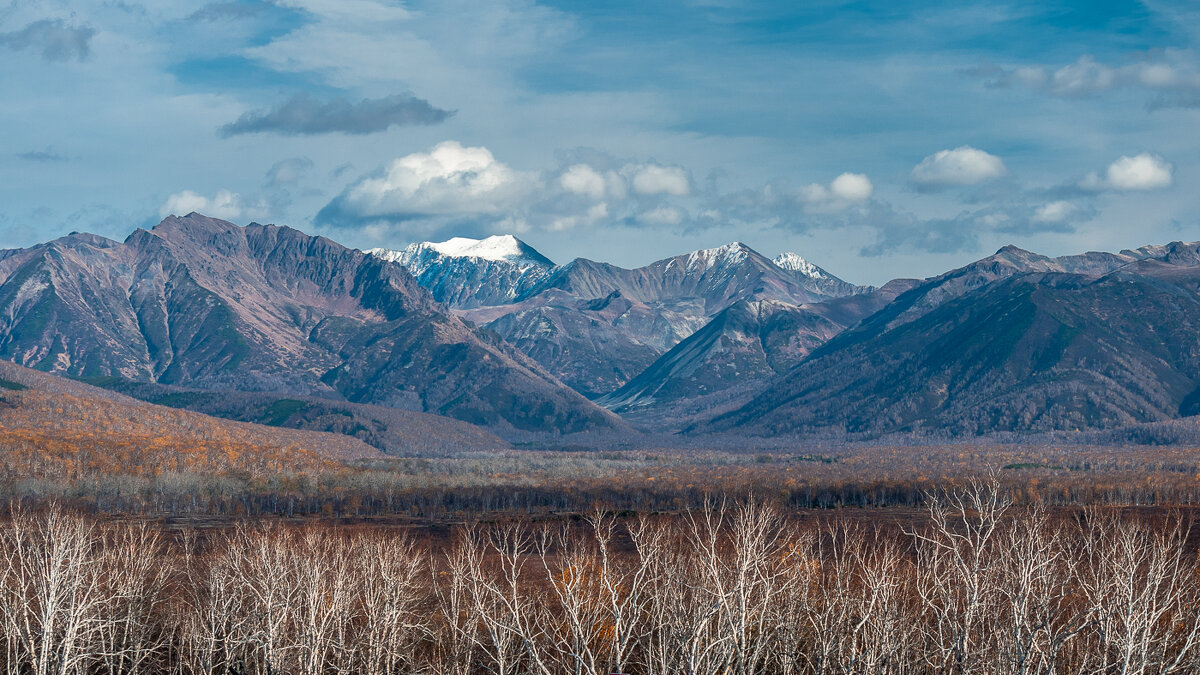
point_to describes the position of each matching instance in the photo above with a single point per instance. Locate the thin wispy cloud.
(224, 11)
(46, 155)
(1170, 79)
(55, 39)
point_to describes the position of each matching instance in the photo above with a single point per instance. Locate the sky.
(878, 139)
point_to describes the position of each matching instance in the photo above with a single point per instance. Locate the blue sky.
(878, 139)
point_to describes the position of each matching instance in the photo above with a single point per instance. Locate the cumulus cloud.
(844, 191)
(653, 179)
(57, 40)
(467, 187)
(305, 115)
(584, 180)
(851, 187)
(963, 165)
(449, 180)
(1054, 212)
(225, 205)
(1145, 171)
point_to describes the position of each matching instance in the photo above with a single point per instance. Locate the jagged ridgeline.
(493, 333)
(1015, 342)
(594, 325)
(203, 303)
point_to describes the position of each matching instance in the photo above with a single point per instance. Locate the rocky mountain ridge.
(1015, 342)
(204, 303)
(595, 325)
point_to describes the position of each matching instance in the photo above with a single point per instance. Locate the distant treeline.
(343, 494)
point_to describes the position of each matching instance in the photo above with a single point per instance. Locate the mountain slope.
(390, 430)
(203, 303)
(1029, 351)
(748, 340)
(51, 427)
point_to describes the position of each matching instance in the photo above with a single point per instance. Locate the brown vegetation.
(978, 586)
(55, 429)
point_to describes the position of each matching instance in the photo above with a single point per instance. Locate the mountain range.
(203, 303)
(465, 342)
(596, 326)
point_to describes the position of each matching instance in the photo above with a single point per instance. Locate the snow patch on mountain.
(794, 263)
(497, 248)
(732, 253)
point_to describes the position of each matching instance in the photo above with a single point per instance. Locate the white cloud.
(1145, 171)
(1085, 76)
(963, 165)
(449, 179)
(852, 187)
(845, 190)
(454, 186)
(1054, 212)
(593, 215)
(225, 205)
(663, 215)
(1141, 172)
(582, 179)
(653, 179)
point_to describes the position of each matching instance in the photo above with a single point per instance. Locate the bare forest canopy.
(974, 585)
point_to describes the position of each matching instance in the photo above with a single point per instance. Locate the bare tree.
(1142, 594)
(52, 593)
(955, 579)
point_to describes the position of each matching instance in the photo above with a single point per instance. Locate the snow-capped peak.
(794, 263)
(731, 253)
(501, 248)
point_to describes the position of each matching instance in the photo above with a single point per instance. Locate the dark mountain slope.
(1026, 352)
(747, 341)
(204, 303)
(390, 430)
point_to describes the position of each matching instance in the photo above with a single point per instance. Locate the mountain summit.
(465, 273)
(497, 248)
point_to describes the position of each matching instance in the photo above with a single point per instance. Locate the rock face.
(1014, 342)
(593, 325)
(204, 303)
